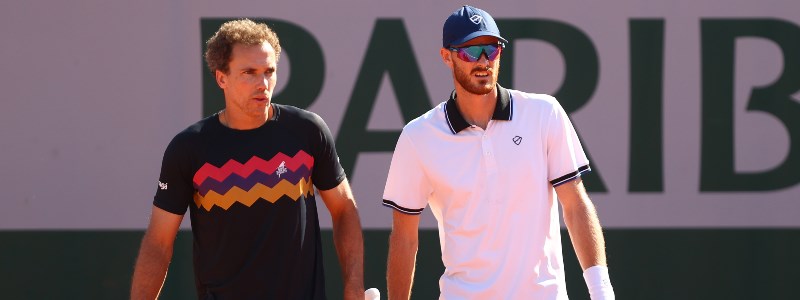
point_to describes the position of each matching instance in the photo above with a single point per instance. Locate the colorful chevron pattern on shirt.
(255, 179)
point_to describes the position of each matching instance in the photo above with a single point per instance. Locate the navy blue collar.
(276, 112)
(456, 121)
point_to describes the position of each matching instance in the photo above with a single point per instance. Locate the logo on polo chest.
(517, 140)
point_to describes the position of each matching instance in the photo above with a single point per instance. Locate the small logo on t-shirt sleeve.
(162, 185)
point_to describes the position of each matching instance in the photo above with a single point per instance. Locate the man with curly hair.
(247, 176)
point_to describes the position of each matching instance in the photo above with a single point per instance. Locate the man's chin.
(258, 112)
(480, 89)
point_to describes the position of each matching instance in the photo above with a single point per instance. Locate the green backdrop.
(645, 264)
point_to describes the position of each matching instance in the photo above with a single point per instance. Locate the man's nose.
(262, 82)
(483, 58)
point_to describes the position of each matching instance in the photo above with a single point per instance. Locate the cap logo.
(477, 19)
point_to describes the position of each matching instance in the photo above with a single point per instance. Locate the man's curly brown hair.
(245, 32)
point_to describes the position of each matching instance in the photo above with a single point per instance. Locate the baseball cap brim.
(477, 34)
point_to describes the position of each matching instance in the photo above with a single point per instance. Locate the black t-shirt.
(251, 203)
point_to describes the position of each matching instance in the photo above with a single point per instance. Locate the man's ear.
(222, 79)
(446, 58)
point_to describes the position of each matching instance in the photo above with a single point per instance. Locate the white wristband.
(599, 283)
(372, 294)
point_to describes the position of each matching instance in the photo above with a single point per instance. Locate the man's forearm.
(150, 271)
(586, 235)
(349, 244)
(401, 264)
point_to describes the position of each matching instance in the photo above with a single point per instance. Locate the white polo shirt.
(491, 192)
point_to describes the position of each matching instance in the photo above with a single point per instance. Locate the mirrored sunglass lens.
(465, 56)
(492, 51)
(473, 53)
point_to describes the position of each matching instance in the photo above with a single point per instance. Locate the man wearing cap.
(492, 162)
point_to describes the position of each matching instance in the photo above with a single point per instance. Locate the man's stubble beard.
(464, 80)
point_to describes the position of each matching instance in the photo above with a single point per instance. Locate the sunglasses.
(473, 53)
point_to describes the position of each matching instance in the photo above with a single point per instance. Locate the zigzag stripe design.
(259, 191)
(254, 163)
(257, 176)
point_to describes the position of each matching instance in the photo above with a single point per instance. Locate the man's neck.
(476, 109)
(243, 121)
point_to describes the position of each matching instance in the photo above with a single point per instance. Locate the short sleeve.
(407, 189)
(328, 172)
(566, 159)
(175, 189)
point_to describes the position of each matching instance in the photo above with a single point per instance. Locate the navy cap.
(467, 23)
